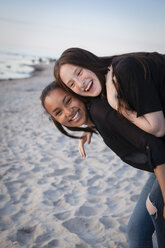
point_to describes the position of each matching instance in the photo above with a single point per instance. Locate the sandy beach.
(50, 196)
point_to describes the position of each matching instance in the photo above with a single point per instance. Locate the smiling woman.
(80, 80)
(66, 109)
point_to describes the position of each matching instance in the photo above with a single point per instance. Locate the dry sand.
(49, 196)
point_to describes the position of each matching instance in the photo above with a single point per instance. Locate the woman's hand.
(110, 89)
(86, 138)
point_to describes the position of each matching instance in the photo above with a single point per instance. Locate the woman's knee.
(152, 210)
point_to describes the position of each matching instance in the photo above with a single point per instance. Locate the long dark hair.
(85, 59)
(99, 65)
(140, 65)
(46, 91)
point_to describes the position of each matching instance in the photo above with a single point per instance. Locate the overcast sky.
(105, 27)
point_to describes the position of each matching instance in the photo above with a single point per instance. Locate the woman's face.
(66, 109)
(80, 80)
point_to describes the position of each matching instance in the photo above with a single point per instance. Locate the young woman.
(135, 148)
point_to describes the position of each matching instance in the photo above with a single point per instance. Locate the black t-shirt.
(134, 146)
(144, 89)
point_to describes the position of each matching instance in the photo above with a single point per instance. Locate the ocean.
(15, 66)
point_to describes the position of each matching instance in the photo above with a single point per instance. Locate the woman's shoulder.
(132, 58)
(127, 62)
(98, 103)
(99, 107)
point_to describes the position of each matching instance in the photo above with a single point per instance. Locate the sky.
(105, 27)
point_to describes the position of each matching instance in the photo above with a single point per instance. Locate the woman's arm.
(86, 138)
(153, 123)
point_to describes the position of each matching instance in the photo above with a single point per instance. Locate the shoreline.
(45, 69)
(36, 68)
(20, 66)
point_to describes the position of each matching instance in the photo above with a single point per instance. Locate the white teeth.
(74, 117)
(88, 87)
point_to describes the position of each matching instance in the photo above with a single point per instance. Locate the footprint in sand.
(25, 235)
(73, 199)
(52, 195)
(95, 190)
(86, 211)
(7, 210)
(42, 238)
(5, 223)
(90, 230)
(81, 246)
(94, 179)
(52, 244)
(63, 216)
(108, 222)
